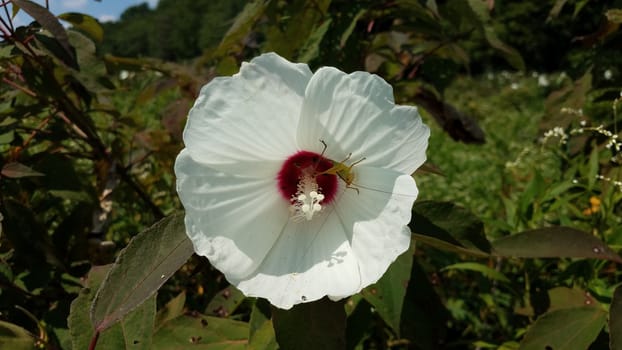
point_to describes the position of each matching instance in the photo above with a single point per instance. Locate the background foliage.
(514, 244)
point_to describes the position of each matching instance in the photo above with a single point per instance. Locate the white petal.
(245, 124)
(356, 114)
(233, 221)
(378, 214)
(347, 249)
(311, 259)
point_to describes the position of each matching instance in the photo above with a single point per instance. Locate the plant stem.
(93, 342)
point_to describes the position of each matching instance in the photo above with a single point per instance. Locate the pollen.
(303, 184)
(308, 202)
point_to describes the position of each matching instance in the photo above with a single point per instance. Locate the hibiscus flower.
(297, 185)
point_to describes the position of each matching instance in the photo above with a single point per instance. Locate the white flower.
(124, 75)
(263, 201)
(543, 80)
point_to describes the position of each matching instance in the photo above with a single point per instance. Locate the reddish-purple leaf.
(17, 170)
(554, 242)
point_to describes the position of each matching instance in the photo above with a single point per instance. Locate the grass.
(509, 108)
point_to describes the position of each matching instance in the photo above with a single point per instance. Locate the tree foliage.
(173, 31)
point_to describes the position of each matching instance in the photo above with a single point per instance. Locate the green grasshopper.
(341, 169)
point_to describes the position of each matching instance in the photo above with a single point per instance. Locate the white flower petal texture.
(297, 185)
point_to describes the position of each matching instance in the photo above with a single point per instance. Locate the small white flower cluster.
(543, 80)
(608, 74)
(557, 132)
(516, 163)
(572, 111)
(613, 141)
(615, 183)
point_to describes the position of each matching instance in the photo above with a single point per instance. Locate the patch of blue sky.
(103, 10)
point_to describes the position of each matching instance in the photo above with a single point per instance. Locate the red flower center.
(305, 166)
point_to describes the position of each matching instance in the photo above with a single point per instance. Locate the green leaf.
(311, 48)
(449, 227)
(564, 297)
(6, 272)
(133, 332)
(292, 34)
(227, 65)
(316, 325)
(85, 23)
(15, 337)
(424, 320)
(80, 326)
(387, 295)
(482, 13)
(348, 32)
(360, 320)
(7, 137)
(578, 6)
(593, 168)
(77, 196)
(449, 245)
(559, 4)
(8, 121)
(17, 170)
(480, 9)
(555, 299)
(50, 45)
(553, 242)
(571, 328)
(241, 27)
(481, 268)
(200, 332)
(511, 55)
(614, 15)
(615, 320)
(173, 309)
(137, 326)
(141, 268)
(91, 66)
(225, 302)
(420, 18)
(51, 23)
(261, 330)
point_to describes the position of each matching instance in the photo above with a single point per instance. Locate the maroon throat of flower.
(305, 184)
